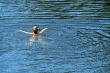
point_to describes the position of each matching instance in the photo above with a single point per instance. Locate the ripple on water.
(77, 39)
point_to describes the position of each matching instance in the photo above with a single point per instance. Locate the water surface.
(77, 39)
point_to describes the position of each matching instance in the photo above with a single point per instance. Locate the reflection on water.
(77, 39)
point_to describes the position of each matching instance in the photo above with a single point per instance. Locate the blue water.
(77, 39)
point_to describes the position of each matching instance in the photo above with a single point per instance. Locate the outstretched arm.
(25, 32)
(43, 30)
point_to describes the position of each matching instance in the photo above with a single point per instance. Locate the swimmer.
(35, 32)
(35, 35)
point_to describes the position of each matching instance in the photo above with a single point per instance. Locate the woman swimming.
(35, 35)
(35, 32)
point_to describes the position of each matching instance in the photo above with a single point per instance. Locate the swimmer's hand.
(43, 30)
(25, 32)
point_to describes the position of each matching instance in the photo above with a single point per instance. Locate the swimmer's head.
(35, 29)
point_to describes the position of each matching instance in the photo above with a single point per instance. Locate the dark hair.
(36, 31)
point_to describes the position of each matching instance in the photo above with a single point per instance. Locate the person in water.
(35, 35)
(35, 32)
